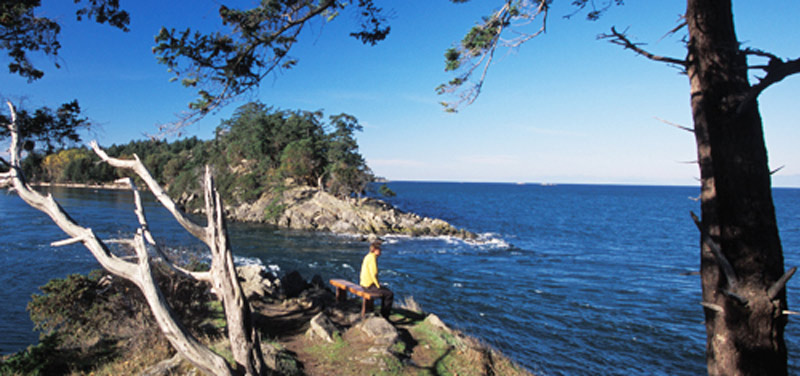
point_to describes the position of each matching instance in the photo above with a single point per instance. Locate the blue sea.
(566, 279)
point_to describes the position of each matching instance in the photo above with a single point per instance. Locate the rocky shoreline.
(307, 208)
(311, 209)
(304, 329)
(329, 337)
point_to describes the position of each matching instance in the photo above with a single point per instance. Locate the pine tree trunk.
(744, 325)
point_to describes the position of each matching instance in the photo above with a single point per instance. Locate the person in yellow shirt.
(369, 278)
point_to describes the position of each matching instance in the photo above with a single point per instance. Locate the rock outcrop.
(322, 327)
(307, 208)
(256, 282)
(381, 331)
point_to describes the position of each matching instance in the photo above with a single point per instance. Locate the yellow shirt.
(369, 271)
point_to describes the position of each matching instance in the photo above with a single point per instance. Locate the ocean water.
(566, 279)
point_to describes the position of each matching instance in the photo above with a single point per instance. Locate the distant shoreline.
(306, 208)
(114, 186)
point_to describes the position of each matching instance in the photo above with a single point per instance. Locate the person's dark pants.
(387, 298)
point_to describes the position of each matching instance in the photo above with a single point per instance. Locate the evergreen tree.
(22, 31)
(741, 256)
(225, 64)
(47, 128)
(347, 169)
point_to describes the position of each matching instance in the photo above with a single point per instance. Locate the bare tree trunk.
(139, 273)
(244, 338)
(744, 303)
(245, 342)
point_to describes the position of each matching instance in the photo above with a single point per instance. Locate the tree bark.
(745, 337)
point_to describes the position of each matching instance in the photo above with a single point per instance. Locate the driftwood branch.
(621, 39)
(727, 269)
(780, 284)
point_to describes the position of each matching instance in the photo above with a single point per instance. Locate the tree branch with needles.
(476, 50)
(226, 65)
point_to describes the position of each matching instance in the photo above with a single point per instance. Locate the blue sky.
(564, 108)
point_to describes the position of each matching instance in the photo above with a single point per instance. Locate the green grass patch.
(216, 317)
(330, 351)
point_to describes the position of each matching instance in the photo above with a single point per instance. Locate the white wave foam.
(390, 239)
(492, 240)
(241, 260)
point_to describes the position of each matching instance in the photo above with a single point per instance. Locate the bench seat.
(344, 286)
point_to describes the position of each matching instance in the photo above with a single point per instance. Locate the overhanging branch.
(477, 48)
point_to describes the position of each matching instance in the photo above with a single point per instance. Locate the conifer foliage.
(259, 148)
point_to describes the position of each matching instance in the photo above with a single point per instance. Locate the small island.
(287, 168)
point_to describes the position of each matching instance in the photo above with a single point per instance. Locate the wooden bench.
(367, 298)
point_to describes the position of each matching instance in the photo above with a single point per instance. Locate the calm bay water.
(569, 279)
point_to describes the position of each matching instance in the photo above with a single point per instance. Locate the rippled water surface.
(568, 280)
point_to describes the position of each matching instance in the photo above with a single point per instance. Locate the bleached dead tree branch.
(245, 342)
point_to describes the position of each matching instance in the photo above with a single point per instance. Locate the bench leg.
(341, 295)
(366, 306)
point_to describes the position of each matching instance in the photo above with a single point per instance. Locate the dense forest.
(259, 149)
